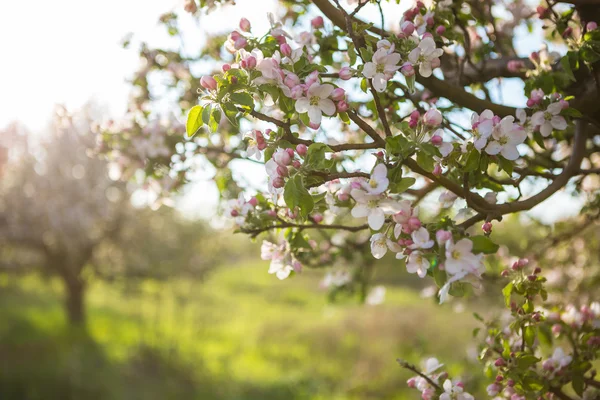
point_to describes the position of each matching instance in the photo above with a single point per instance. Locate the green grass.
(241, 334)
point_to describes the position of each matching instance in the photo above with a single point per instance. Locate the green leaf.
(215, 119)
(472, 161)
(242, 98)
(315, 157)
(296, 195)
(526, 361)
(194, 121)
(578, 384)
(483, 244)
(507, 291)
(529, 335)
(402, 185)
(505, 165)
(566, 65)
(206, 114)
(425, 161)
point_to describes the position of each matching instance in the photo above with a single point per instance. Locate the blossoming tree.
(358, 123)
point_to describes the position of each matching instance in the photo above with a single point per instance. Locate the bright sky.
(68, 52)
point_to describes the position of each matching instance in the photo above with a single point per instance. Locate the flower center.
(372, 204)
(373, 183)
(314, 101)
(456, 254)
(380, 68)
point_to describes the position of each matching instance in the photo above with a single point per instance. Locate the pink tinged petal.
(422, 271)
(558, 122)
(379, 172)
(510, 152)
(359, 195)
(369, 70)
(327, 106)
(284, 272)
(302, 105)
(360, 211)
(485, 128)
(493, 148)
(324, 90)
(546, 129)
(464, 246)
(446, 148)
(436, 53)
(378, 248)
(314, 114)
(397, 230)
(554, 108)
(376, 219)
(538, 118)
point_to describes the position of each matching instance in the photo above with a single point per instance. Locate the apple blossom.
(424, 55)
(417, 263)
(382, 68)
(208, 82)
(245, 25)
(454, 392)
(591, 26)
(374, 207)
(378, 182)
(549, 120)
(345, 73)
(506, 135)
(459, 258)
(421, 239)
(317, 102)
(380, 244)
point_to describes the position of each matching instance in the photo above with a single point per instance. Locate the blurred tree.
(57, 204)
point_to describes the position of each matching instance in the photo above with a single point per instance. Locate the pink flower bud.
(548, 365)
(542, 11)
(415, 115)
(523, 262)
(564, 104)
(317, 22)
(290, 153)
(487, 227)
(535, 57)
(419, 5)
(234, 213)
(245, 25)
(240, 43)
(345, 73)
(343, 196)
(505, 273)
(591, 26)
(409, 15)
(442, 236)
(253, 201)
(248, 63)
(278, 182)
(234, 79)
(414, 223)
(413, 123)
(567, 32)
(407, 28)
(190, 6)
(436, 140)
(272, 213)
(317, 218)
(500, 362)
(537, 270)
(282, 158)
(412, 383)
(301, 149)
(282, 171)
(261, 146)
(430, 21)
(437, 170)
(440, 30)
(235, 35)
(296, 164)
(291, 80)
(407, 69)
(531, 103)
(313, 77)
(226, 67)
(427, 35)
(208, 82)
(342, 106)
(297, 92)
(433, 117)
(338, 94)
(286, 49)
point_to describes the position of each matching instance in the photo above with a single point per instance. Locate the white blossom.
(382, 68)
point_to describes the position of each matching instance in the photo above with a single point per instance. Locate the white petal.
(327, 106)
(493, 148)
(558, 122)
(425, 69)
(314, 114)
(413, 56)
(369, 70)
(323, 91)
(510, 152)
(546, 129)
(376, 219)
(302, 105)
(379, 82)
(360, 211)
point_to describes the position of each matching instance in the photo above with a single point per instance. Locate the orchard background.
(420, 179)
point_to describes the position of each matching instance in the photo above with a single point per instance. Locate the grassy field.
(241, 334)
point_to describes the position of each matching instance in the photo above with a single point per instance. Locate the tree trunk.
(75, 301)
